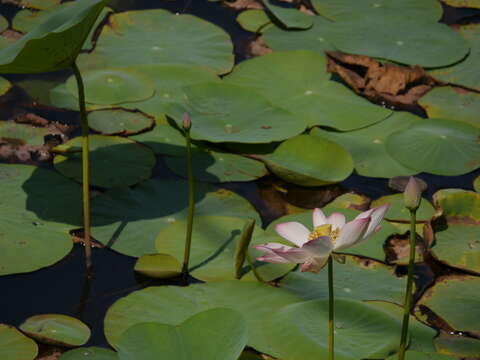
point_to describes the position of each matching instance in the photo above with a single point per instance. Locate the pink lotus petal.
(319, 247)
(377, 215)
(294, 232)
(269, 247)
(294, 255)
(319, 218)
(314, 265)
(352, 233)
(337, 220)
(273, 259)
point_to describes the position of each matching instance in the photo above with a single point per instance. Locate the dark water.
(63, 288)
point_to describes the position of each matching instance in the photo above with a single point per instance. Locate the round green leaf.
(38, 4)
(367, 146)
(213, 166)
(465, 72)
(458, 205)
(216, 334)
(162, 38)
(39, 207)
(445, 297)
(163, 139)
(300, 331)
(463, 3)
(160, 266)
(476, 184)
(253, 19)
(16, 346)
(118, 121)
(290, 18)
(173, 305)
(129, 220)
(89, 353)
(3, 24)
(128, 162)
(22, 134)
(56, 329)
(417, 355)
(452, 103)
(397, 210)
(113, 86)
(310, 95)
(437, 146)
(356, 279)
(458, 346)
(56, 41)
(214, 241)
(5, 86)
(228, 113)
(307, 161)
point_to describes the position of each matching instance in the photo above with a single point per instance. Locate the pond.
(279, 137)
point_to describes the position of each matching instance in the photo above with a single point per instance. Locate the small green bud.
(186, 121)
(412, 194)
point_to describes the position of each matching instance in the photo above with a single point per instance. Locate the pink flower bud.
(186, 121)
(412, 194)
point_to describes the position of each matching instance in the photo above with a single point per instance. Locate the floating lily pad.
(39, 4)
(307, 161)
(464, 73)
(56, 41)
(458, 346)
(228, 113)
(113, 86)
(367, 146)
(214, 242)
(89, 353)
(452, 103)
(418, 355)
(310, 95)
(173, 305)
(356, 279)
(39, 207)
(22, 134)
(216, 334)
(3, 24)
(162, 38)
(290, 18)
(160, 266)
(349, 201)
(5, 86)
(253, 20)
(339, 10)
(128, 162)
(300, 331)
(118, 121)
(129, 220)
(476, 184)
(163, 139)
(463, 3)
(445, 297)
(397, 210)
(458, 205)
(437, 146)
(16, 346)
(214, 166)
(56, 329)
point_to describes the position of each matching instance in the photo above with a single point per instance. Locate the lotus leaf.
(310, 95)
(39, 90)
(39, 207)
(463, 3)
(128, 162)
(437, 146)
(290, 18)
(464, 73)
(367, 146)
(339, 10)
(253, 20)
(307, 161)
(356, 279)
(173, 305)
(57, 41)
(458, 205)
(162, 38)
(16, 346)
(445, 297)
(216, 334)
(129, 220)
(56, 329)
(113, 86)
(25, 134)
(5, 86)
(458, 346)
(229, 113)
(118, 121)
(3, 24)
(300, 331)
(348, 201)
(397, 210)
(38, 4)
(418, 355)
(89, 353)
(476, 184)
(160, 266)
(452, 103)
(214, 242)
(214, 166)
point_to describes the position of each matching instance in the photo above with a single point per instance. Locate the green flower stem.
(331, 311)
(191, 208)
(85, 168)
(408, 291)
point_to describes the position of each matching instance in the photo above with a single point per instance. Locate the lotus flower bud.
(412, 194)
(186, 121)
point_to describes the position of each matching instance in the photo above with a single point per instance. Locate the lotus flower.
(330, 234)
